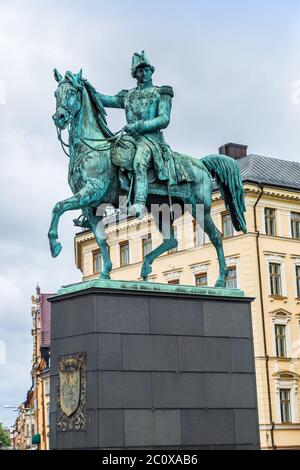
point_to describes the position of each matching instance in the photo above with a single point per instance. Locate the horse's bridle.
(116, 138)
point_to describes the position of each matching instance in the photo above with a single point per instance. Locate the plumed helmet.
(140, 60)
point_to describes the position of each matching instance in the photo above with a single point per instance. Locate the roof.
(45, 307)
(270, 171)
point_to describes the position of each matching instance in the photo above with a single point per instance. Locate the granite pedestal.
(165, 367)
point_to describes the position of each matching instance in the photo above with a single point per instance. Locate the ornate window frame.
(199, 235)
(121, 244)
(144, 239)
(288, 380)
(290, 223)
(173, 275)
(277, 259)
(281, 317)
(234, 232)
(201, 268)
(233, 262)
(94, 254)
(276, 223)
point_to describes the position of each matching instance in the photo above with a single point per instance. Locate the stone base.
(164, 369)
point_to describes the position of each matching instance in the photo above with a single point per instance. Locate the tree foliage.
(4, 437)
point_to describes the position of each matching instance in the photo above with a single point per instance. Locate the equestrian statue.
(136, 163)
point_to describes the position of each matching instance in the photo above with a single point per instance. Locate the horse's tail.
(227, 174)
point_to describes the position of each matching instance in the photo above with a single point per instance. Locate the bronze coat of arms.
(69, 378)
(71, 392)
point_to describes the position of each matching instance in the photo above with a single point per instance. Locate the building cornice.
(274, 192)
(84, 236)
(274, 254)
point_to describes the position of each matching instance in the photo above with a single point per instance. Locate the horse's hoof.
(56, 249)
(146, 270)
(137, 210)
(104, 276)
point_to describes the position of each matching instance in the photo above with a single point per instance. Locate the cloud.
(232, 66)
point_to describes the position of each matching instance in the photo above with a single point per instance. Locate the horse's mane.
(95, 100)
(101, 113)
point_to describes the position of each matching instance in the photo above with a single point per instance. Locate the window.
(295, 224)
(97, 262)
(173, 250)
(280, 336)
(227, 226)
(286, 397)
(275, 279)
(147, 245)
(201, 279)
(231, 280)
(285, 405)
(124, 254)
(298, 280)
(270, 221)
(173, 281)
(197, 234)
(47, 386)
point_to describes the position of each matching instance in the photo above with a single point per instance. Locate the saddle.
(179, 167)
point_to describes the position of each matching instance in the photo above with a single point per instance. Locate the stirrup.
(82, 222)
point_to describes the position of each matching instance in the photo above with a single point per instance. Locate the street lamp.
(14, 408)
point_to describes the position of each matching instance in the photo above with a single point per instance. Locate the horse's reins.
(114, 138)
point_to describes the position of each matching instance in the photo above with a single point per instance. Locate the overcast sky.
(234, 67)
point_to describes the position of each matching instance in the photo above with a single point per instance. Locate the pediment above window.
(286, 375)
(280, 313)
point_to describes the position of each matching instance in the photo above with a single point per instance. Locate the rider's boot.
(138, 209)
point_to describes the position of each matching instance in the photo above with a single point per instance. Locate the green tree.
(4, 437)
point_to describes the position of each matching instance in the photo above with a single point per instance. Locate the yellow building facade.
(40, 371)
(31, 429)
(264, 263)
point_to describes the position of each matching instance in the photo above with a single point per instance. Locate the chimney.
(232, 150)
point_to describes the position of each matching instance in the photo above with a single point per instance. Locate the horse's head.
(68, 98)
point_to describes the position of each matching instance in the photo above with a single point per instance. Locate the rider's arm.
(164, 112)
(116, 101)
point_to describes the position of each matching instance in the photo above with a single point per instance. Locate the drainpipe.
(263, 316)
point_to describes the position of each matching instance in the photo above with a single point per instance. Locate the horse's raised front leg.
(169, 242)
(216, 239)
(79, 201)
(98, 230)
(72, 203)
